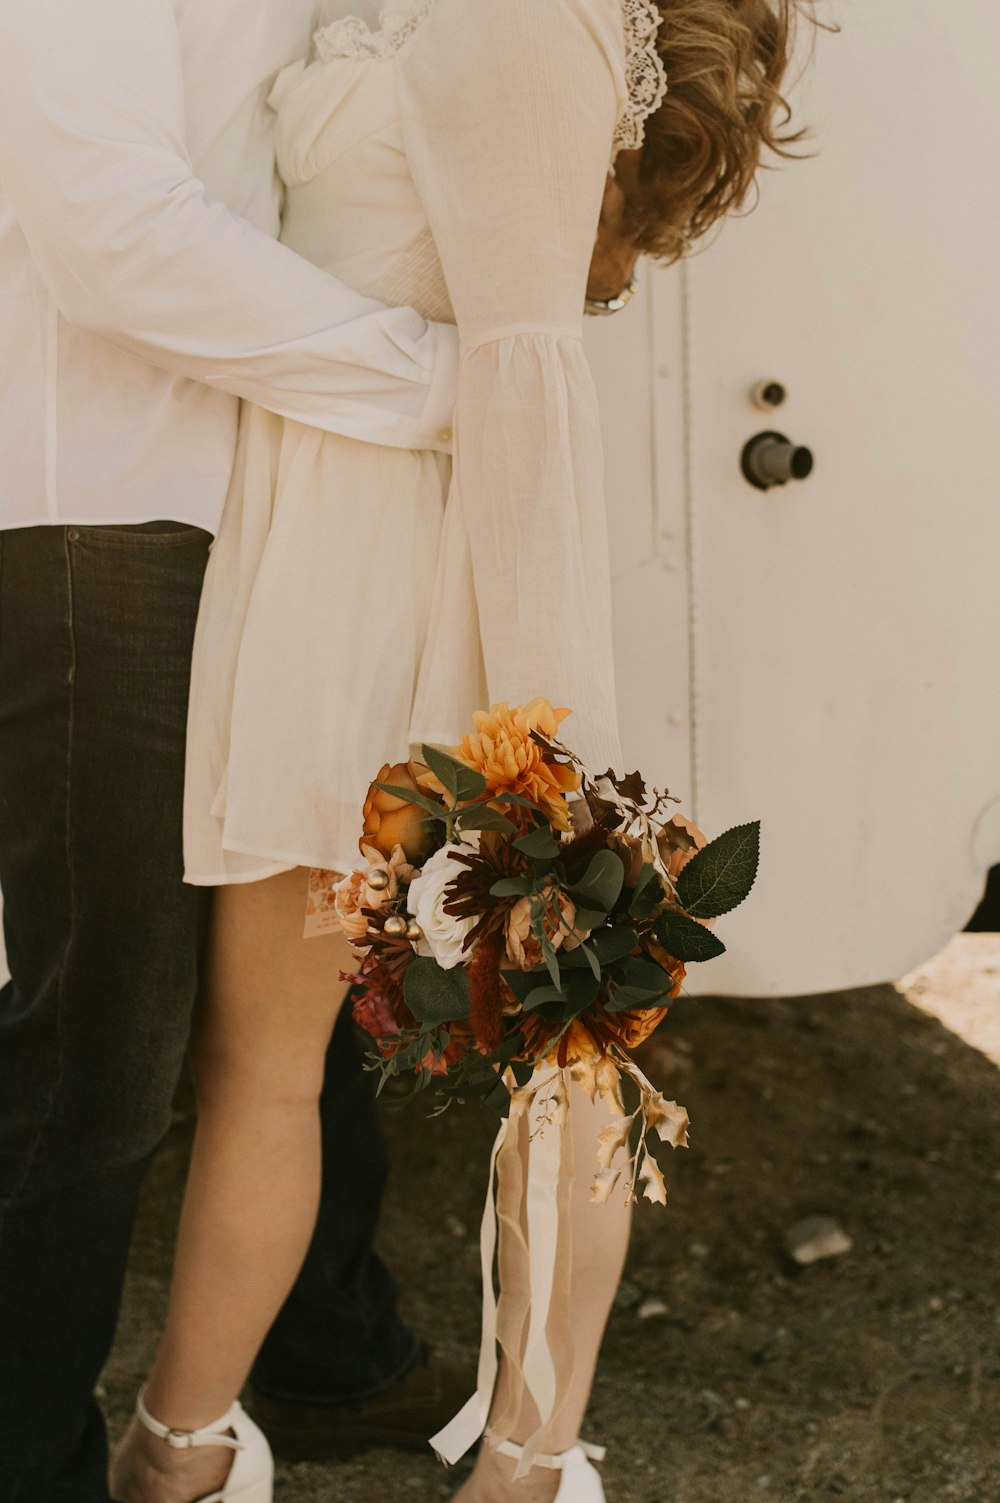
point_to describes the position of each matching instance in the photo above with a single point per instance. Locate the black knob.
(772, 459)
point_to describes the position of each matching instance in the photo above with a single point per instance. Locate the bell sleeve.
(509, 108)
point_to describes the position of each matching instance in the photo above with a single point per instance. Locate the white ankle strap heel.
(581, 1482)
(251, 1477)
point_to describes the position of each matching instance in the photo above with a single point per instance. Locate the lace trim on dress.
(353, 37)
(645, 74)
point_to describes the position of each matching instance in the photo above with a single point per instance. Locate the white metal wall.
(825, 655)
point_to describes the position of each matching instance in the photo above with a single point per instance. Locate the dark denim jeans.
(103, 941)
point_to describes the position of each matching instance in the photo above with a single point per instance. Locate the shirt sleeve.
(509, 110)
(129, 246)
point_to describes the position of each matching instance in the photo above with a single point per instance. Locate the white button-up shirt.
(141, 288)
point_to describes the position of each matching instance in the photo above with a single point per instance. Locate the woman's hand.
(615, 255)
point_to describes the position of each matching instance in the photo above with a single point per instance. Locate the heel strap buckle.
(183, 1440)
(555, 1463)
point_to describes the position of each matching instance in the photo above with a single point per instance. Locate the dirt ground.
(872, 1377)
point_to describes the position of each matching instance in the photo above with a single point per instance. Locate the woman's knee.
(257, 1073)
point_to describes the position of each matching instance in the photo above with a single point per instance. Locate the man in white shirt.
(141, 293)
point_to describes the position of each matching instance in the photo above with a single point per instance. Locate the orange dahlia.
(502, 749)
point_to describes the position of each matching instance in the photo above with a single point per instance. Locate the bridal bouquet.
(518, 915)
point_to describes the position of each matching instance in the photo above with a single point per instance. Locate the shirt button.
(73, 536)
(444, 436)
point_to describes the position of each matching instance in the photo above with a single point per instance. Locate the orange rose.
(390, 821)
(522, 947)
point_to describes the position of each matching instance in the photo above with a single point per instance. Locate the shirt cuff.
(442, 394)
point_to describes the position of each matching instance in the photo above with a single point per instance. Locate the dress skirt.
(314, 617)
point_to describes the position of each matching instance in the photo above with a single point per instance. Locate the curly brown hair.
(725, 62)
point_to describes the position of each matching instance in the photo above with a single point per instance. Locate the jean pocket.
(141, 535)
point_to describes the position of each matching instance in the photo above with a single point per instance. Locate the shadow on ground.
(874, 1377)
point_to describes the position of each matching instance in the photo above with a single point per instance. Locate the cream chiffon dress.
(362, 599)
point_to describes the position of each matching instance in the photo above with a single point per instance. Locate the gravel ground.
(729, 1373)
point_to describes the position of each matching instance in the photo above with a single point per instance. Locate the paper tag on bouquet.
(321, 912)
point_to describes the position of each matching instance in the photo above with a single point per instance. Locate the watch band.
(601, 307)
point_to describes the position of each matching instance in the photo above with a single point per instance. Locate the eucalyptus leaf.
(542, 994)
(581, 988)
(523, 983)
(647, 893)
(509, 887)
(591, 959)
(634, 999)
(643, 975)
(519, 799)
(413, 796)
(434, 995)
(721, 875)
(588, 918)
(540, 843)
(602, 882)
(685, 939)
(613, 944)
(443, 767)
(483, 817)
(551, 961)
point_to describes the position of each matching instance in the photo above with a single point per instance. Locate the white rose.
(443, 934)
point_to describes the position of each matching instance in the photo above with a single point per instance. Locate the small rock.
(628, 1295)
(652, 1307)
(456, 1227)
(764, 1482)
(698, 1250)
(935, 1305)
(814, 1238)
(741, 1403)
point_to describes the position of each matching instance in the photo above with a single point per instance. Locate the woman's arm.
(94, 164)
(509, 109)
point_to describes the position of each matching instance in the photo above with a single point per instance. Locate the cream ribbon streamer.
(462, 1432)
(545, 1118)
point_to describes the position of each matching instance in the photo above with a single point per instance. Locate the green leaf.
(523, 983)
(509, 887)
(519, 799)
(463, 783)
(575, 960)
(443, 766)
(643, 975)
(551, 961)
(591, 959)
(539, 844)
(482, 817)
(588, 918)
(633, 999)
(719, 877)
(542, 994)
(601, 883)
(434, 995)
(581, 988)
(686, 939)
(611, 944)
(647, 893)
(412, 796)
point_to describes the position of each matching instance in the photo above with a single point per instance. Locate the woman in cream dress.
(362, 599)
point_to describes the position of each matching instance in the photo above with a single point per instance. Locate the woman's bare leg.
(600, 1235)
(271, 1000)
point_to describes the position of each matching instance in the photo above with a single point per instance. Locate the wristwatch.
(600, 307)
